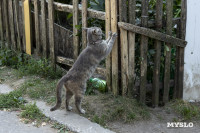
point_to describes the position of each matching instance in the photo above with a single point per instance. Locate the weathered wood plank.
(153, 34)
(114, 28)
(75, 30)
(124, 61)
(156, 71)
(123, 47)
(143, 53)
(90, 12)
(51, 33)
(37, 26)
(7, 24)
(131, 49)
(11, 23)
(181, 50)
(169, 8)
(70, 62)
(16, 14)
(23, 47)
(84, 23)
(108, 59)
(1, 24)
(44, 27)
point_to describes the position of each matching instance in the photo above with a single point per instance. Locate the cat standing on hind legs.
(85, 65)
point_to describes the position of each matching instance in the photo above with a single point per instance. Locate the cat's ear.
(85, 29)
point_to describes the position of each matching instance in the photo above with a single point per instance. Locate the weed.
(32, 113)
(61, 128)
(186, 110)
(12, 100)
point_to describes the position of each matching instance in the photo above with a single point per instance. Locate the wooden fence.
(119, 17)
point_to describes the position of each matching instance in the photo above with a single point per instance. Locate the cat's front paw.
(115, 35)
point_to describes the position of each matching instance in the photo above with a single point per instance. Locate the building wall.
(192, 52)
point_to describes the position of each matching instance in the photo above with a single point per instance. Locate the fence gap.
(156, 71)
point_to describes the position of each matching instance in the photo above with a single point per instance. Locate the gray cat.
(75, 80)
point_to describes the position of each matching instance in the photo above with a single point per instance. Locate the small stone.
(44, 124)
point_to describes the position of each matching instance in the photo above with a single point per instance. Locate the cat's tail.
(58, 92)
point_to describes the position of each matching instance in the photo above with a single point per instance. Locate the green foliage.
(187, 110)
(27, 64)
(12, 100)
(31, 112)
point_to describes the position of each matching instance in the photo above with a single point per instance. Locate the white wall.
(192, 52)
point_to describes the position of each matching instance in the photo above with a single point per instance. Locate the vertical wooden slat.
(115, 77)
(84, 23)
(131, 49)
(23, 47)
(169, 8)
(1, 24)
(11, 23)
(108, 28)
(156, 72)
(143, 53)
(181, 50)
(16, 7)
(37, 26)
(51, 32)
(44, 27)
(123, 47)
(7, 23)
(75, 30)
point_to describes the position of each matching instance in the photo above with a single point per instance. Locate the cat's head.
(94, 34)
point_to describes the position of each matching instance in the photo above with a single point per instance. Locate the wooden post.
(27, 21)
(156, 72)
(84, 23)
(169, 8)
(7, 24)
(44, 27)
(23, 47)
(75, 30)
(124, 47)
(131, 49)
(181, 50)
(16, 6)
(1, 24)
(51, 32)
(37, 26)
(143, 53)
(11, 23)
(115, 70)
(108, 59)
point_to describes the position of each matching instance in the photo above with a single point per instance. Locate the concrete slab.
(73, 121)
(10, 123)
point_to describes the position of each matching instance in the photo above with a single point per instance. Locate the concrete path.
(73, 121)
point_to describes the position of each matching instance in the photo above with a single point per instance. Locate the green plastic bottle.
(98, 84)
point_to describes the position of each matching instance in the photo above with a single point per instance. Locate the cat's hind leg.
(78, 100)
(69, 95)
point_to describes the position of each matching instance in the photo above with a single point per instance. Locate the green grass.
(12, 100)
(187, 110)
